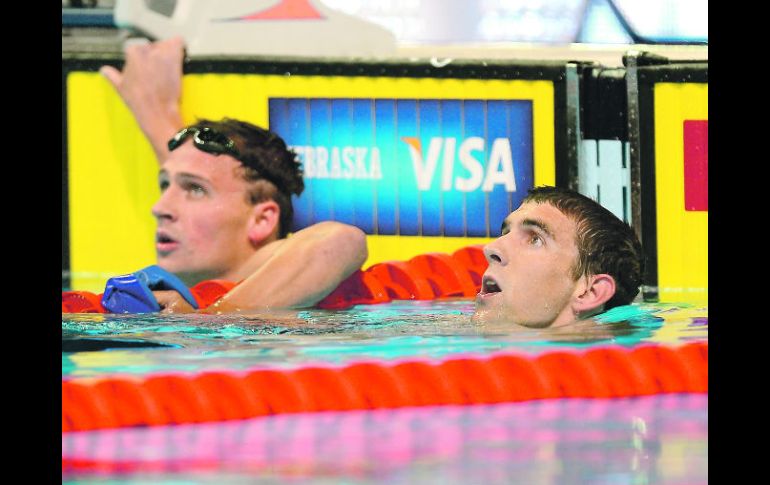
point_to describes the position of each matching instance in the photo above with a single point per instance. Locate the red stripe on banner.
(286, 10)
(696, 165)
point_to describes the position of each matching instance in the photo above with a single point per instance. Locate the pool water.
(648, 439)
(103, 344)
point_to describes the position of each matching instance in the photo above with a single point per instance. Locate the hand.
(172, 302)
(151, 86)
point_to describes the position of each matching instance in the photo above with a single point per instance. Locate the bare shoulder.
(331, 227)
(261, 256)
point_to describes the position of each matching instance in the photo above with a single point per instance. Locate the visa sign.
(348, 162)
(499, 168)
(410, 167)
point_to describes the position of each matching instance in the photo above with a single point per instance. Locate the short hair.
(606, 245)
(267, 161)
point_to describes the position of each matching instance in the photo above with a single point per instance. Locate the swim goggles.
(207, 139)
(212, 141)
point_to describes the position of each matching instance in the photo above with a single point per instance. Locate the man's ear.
(597, 291)
(264, 221)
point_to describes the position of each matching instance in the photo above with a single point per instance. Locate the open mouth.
(489, 285)
(162, 238)
(164, 243)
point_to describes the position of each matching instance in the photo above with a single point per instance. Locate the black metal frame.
(647, 77)
(65, 229)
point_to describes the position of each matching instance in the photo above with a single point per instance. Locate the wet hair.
(267, 161)
(606, 245)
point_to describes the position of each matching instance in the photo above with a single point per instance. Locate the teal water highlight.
(108, 344)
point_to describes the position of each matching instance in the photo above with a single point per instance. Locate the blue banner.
(409, 166)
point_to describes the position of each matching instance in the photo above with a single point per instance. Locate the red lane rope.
(218, 396)
(573, 375)
(235, 401)
(624, 377)
(424, 277)
(379, 385)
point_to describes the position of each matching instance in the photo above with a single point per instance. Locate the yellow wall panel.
(682, 236)
(113, 171)
(112, 177)
(402, 248)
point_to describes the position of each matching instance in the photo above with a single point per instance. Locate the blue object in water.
(132, 293)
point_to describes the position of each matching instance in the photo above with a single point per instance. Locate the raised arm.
(151, 86)
(301, 271)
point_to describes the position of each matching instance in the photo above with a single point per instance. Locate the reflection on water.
(651, 439)
(193, 342)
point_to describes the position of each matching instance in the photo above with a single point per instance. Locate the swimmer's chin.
(487, 316)
(480, 316)
(496, 316)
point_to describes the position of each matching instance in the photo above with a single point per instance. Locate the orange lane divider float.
(605, 372)
(424, 277)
